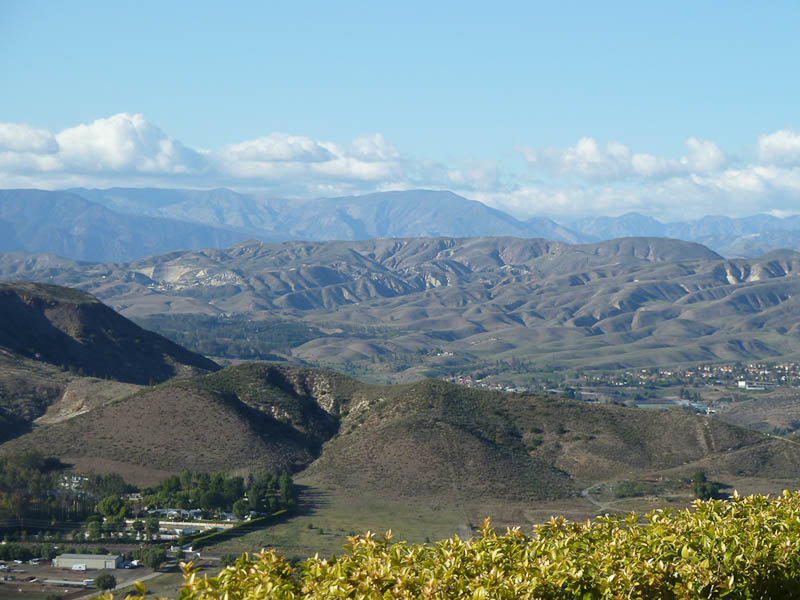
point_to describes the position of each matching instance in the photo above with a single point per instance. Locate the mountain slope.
(444, 305)
(253, 416)
(62, 353)
(414, 213)
(70, 328)
(431, 440)
(411, 213)
(627, 225)
(746, 237)
(68, 225)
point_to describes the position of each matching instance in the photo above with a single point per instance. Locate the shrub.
(743, 548)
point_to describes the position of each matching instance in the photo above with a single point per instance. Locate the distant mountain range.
(414, 213)
(121, 224)
(408, 308)
(745, 237)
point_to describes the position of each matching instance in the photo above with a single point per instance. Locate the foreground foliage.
(746, 547)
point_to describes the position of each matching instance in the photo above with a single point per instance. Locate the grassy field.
(166, 584)
(328, 516)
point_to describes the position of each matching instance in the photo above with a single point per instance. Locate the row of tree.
(260, 492)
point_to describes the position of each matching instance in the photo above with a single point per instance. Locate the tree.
(286, 490)
(105, 581)
(112, 506)
(152, 526)
(153, 557)
(702, 487)
(93, 529)
(241, 508)
(138, 526)
(113, 524)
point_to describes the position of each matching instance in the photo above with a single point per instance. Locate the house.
(88, 561)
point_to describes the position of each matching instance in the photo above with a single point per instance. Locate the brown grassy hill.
(249, 417)
(438, 440)
(172, 428)
(402, 309)
(70, 328)
(429, 440)
(54, 339)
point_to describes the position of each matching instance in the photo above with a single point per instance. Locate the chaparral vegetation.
(741, 548)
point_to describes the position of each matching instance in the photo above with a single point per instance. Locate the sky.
(567, 109)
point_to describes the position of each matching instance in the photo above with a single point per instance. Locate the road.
(122, 584)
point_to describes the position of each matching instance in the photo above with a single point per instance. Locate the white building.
(90, 561)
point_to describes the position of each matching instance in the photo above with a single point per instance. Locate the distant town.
(654, 387)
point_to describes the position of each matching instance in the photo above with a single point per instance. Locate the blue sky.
(536, 108)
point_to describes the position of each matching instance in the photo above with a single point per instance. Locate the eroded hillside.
(407, 308)
(429, 440)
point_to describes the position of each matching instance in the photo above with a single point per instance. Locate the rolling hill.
(70, 328)
(429, 441)
(426, 442)
(407, 308)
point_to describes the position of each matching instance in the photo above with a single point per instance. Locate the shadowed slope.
(68, 327)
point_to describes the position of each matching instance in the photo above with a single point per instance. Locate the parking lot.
(30, 581)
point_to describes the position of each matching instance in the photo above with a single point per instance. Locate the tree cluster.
(233, 337)
(220, 492)
(703, 488)
(32, 493)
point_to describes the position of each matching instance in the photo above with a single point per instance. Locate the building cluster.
(469, 381)
(786, 373)
(749, 376)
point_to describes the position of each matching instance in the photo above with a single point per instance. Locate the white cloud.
(125, 143)
(24, 138)
(703, 156)
(588, 177)
(276, 147)
(780, 147)
(127, 149)
(588, 160)
(279, 156)
(374, 148)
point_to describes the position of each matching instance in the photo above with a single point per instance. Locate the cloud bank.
(588, 178)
